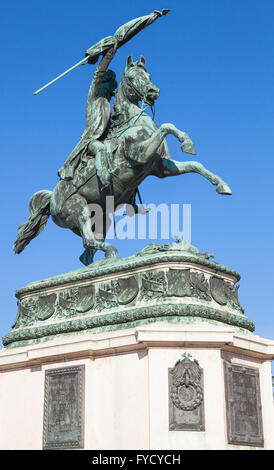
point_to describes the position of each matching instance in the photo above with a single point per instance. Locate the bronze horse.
(134, 148)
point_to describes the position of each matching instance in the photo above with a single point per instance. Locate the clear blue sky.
(213, 62)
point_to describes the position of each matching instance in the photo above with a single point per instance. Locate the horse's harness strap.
(132, 186)
(139, 196)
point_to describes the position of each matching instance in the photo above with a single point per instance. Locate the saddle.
(84, 172)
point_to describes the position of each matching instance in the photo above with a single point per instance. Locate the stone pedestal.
(148, 352)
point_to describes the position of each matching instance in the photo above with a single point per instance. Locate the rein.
(131, 186)
(144, 173)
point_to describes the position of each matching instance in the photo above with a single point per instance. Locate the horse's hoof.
(188, 147)
(223, 188)
(87, 257)
(111, 253)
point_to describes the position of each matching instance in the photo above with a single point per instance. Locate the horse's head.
(137, 85)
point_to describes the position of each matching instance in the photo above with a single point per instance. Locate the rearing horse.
(135, 148)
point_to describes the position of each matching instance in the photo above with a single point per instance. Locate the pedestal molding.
(136, 340)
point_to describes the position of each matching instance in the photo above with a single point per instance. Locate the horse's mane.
(118, 114)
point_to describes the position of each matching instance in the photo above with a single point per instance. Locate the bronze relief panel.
(64, 408)
(243, 405)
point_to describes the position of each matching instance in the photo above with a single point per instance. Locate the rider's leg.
(97, 149)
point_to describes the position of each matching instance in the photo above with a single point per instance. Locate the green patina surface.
(124, 319)
(172, 282)
(128, 325)
(119, 148)
(151, 255)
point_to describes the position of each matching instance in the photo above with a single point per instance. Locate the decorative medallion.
(225, 293)
(186, 395)
(126, 289)
(179, 283)
(75, 300)
(46, 306)
(217, 287)
(85, 298)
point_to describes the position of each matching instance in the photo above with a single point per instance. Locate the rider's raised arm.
(96, 83)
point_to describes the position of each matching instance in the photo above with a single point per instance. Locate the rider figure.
(97, 119)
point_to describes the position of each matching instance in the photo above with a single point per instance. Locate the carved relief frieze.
(64, 304)
(45, 306)
(75, 300)
(200, 286)
(127, 289)
(154, 285)
(27, 309)
(106, 296)
(121, 291)
(179, 283)
(145, 287)
(224, 293)
(187, 283)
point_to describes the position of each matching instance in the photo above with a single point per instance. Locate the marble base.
(125, 388)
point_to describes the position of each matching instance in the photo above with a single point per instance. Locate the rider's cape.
(100, 112)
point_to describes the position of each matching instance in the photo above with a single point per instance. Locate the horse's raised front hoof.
(188, 147)
(223, 188)
(111, 252)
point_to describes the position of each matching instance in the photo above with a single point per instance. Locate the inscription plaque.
(64, 408)
(186, 396)
(243, 405)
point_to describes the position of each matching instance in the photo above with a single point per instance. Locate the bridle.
(142, 97)
(131, 186)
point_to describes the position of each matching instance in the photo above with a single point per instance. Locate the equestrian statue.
(117, 151)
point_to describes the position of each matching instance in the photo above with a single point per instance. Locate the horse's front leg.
(141, 152)
(170, 167)
(187, 144)
(165, 129)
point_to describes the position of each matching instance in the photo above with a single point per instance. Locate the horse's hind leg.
(87, 257)
(172, 168)
(76, 215)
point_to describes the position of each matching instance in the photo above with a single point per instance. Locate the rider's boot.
(102, 169)
(97, 149)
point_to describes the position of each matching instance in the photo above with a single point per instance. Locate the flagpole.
(62, 74)
(121, 36)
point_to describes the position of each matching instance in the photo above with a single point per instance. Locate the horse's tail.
(39, 211)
